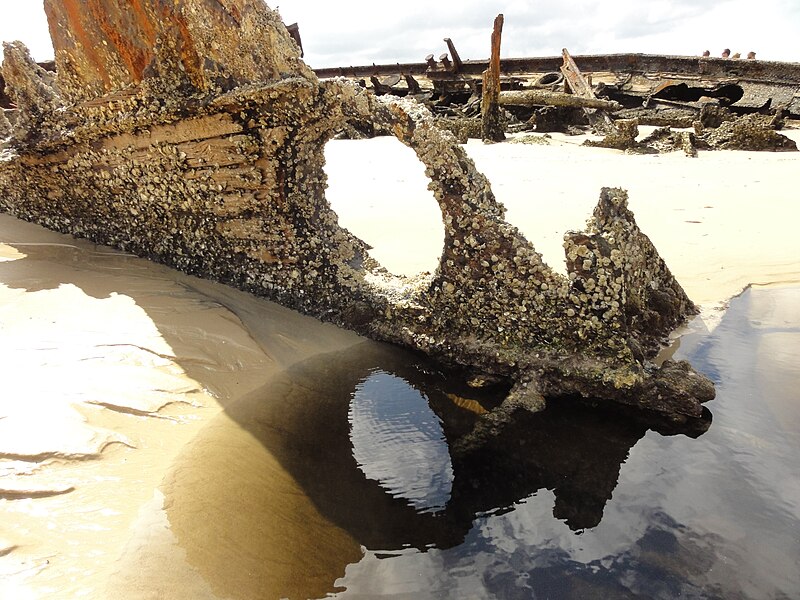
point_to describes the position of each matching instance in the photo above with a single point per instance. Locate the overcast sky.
(360, 32)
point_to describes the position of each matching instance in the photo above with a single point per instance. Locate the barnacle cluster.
(213, 163)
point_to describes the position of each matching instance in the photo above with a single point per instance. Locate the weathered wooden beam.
(548, 98)
(491, 128)
(580, 87)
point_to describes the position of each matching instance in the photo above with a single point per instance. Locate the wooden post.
(491, 128)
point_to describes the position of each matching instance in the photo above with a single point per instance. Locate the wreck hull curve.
(229, 185)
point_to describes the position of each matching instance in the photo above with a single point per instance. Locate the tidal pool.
(343, 477)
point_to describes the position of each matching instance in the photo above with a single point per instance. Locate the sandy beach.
(113, 365)
(721, 221)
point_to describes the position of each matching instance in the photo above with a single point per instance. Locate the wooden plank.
(220, 152)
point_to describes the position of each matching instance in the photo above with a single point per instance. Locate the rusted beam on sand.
(548, 98)
(492, 129)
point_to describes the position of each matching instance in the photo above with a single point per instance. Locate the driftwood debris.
(492, 128)
(197, 154)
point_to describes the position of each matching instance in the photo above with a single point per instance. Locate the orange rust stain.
(229, 9)
(73, 13)
(467, 404)
(189, 55)
(126, 31)
(234, 12)
(144, 20)
(133, 38)
(185, 44)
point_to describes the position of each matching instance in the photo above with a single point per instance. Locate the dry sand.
(721, 221)
(111, 365)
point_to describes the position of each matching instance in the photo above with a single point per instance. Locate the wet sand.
(112, 365)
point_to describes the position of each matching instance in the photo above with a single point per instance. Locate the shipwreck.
(729, 103)
(192, 133)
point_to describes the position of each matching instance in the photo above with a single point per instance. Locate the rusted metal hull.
(219, 172)
(763, 83)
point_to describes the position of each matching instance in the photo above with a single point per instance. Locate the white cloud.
(350, 33)
(362, 32)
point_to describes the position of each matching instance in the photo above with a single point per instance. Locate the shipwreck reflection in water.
(369, 435)
(358, 452)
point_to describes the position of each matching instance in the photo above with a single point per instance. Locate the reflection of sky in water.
(398, 441)
(567, 504)
(713, 517)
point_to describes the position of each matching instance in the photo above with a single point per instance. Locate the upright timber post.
(491, 128)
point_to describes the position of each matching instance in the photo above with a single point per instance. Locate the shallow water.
(312, 486)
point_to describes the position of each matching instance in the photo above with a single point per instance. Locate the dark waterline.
(361, 490)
